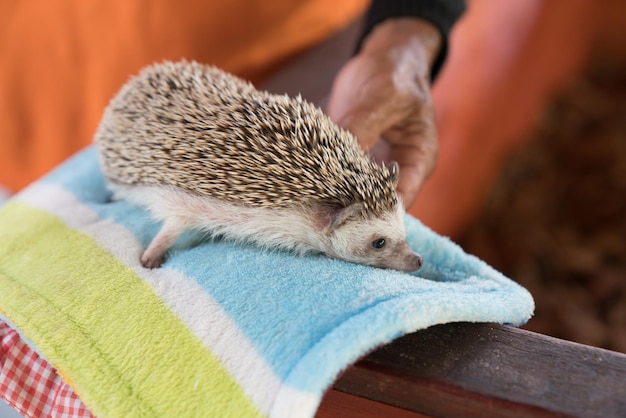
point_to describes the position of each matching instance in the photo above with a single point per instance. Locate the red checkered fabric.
(30, 384)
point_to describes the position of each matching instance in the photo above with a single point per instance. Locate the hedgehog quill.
(202, 149)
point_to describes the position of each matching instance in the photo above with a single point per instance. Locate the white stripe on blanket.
(198, 311)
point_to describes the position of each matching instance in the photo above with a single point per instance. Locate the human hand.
(382, 95)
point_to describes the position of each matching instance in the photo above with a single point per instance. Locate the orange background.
(61, 61)
(507, 60)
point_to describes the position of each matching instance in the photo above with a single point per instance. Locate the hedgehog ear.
(394, 173)
(337, 216)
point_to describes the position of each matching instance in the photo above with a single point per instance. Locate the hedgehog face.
(378, 242)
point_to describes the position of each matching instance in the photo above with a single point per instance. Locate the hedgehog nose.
(419, 261)
(415, 263)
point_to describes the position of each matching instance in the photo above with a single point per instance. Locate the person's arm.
(384, 90)
(442, 14)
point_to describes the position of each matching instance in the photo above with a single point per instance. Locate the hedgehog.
(201, 149)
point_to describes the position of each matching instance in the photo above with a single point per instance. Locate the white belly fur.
(283, 228)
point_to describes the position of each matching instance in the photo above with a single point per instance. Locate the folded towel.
(220, 329)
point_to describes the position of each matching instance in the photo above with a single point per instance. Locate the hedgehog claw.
(151, 262)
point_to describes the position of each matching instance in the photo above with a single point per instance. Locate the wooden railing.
(481, 370)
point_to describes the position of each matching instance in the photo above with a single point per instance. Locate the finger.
(367, 121)
(412, 178)
(415, 150)
(413, 173)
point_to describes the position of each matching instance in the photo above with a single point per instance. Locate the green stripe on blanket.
(50, 299)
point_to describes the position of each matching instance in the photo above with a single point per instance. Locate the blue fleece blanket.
(221, 329)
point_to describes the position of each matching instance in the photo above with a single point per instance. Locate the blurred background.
(532, 169)
(531, 109)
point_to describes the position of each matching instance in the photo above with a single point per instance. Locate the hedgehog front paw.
(151, 261)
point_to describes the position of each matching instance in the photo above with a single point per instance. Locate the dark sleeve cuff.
(441, 13)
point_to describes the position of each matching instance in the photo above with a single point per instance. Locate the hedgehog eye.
(378, 243)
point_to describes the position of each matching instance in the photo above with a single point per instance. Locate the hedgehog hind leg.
(154, 255)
